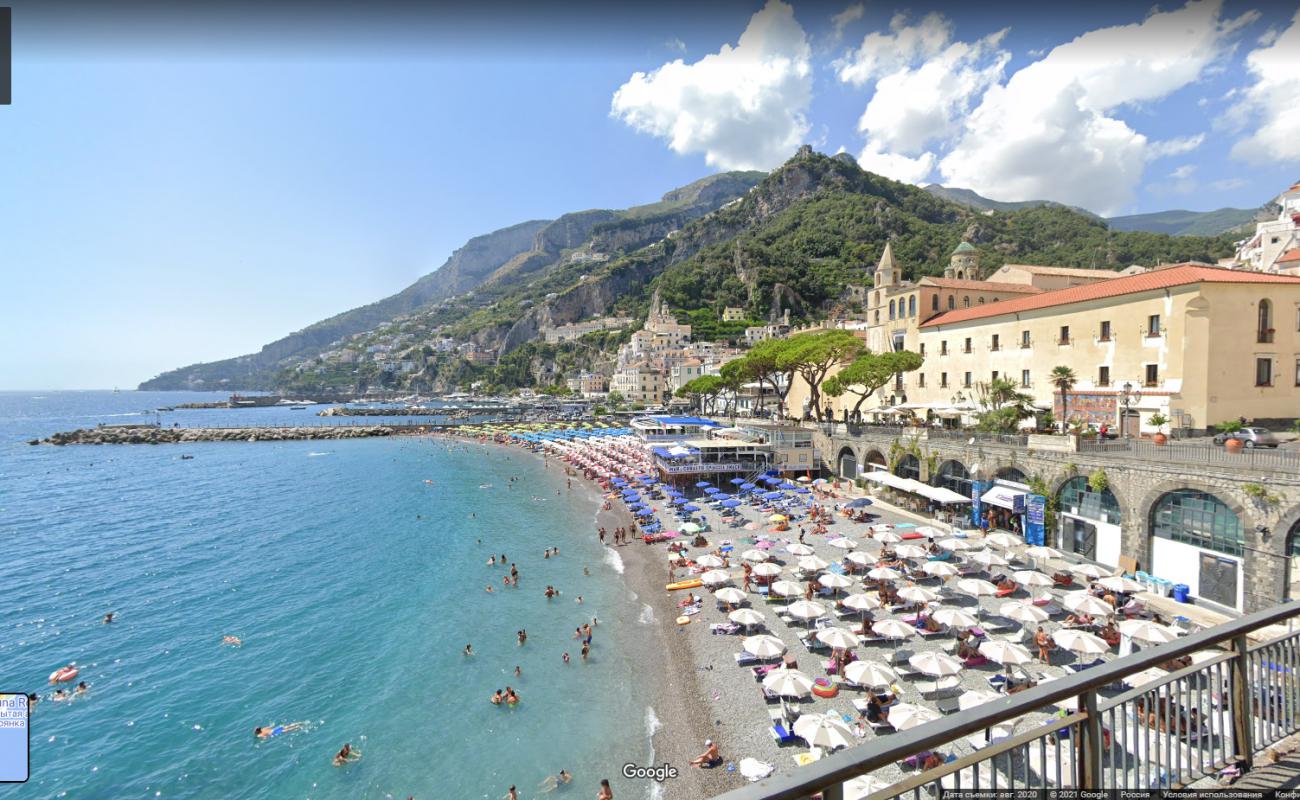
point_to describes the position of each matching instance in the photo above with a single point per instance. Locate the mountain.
(968, 198)
(526, 252)
(1187, 223)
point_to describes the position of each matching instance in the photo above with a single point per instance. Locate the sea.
(354, 573)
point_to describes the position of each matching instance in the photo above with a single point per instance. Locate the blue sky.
(187, 186)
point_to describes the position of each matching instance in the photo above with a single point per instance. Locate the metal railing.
(1195, 453)
(1121, 725)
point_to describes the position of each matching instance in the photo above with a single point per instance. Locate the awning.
(1003, 497)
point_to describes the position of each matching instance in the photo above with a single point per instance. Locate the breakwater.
(458, 412)
(149, 434)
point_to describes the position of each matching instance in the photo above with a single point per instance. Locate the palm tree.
(1064, 379)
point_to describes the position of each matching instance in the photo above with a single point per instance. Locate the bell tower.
(964, 264)
(886, 271)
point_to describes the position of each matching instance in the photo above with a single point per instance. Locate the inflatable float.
(693, 583)
(683, 620)
(822, 687)
(64, 674)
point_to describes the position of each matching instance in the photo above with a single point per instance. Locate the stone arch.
(1238, 544)
(1286, 534)
(1011, 473)
(1109, 501)
(874, 457)
(908, 466)
(952, 474)
(846, 463)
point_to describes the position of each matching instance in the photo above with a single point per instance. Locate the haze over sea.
(354, 585)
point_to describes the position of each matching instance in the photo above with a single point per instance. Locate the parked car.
(1251, 437)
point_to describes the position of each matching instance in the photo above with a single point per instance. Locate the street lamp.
(1128, 397)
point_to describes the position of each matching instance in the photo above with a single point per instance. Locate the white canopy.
(1002, 496)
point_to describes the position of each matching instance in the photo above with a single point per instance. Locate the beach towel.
(754, 770)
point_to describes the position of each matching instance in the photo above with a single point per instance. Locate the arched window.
(1013, 474)
(953, 475)
(891, 309)
(934, 302)
(1265, 321)
(952, 302)
(911, 306)
(1077, 499)
(909, 466)
(981, 301)
(877, 316)
(965, 302)
(1200, 519)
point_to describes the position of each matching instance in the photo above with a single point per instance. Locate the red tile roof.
(981, 286)
(1162, 278)
(1290, 255)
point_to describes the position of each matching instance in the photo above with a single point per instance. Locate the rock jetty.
(345, 411)
(149, 434)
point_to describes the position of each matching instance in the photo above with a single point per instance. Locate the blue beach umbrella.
(787, 485)
(730, 503)
(773, 496)
(768, 479)
(802, 490)
(747, 486)
(859, 503)
(646, 512)
(712, 490)
(636, 507)
(678, 500)
(737, 481)
(702, 484)
(690, 508)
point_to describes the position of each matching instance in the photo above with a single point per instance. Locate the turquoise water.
(354, 586)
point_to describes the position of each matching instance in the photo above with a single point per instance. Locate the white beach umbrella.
(909, 715)
(862, 602)
(691, 527)
(977, 587)
(957, 545)
(806, 609)
(1005, 652)
(730, 594)
(1083, 603)
(1023, 612)
(1081, 642)
(1004, 540)
(884, 574)
(893, 629)
(767, 569)
(1028, 577)
(863, 786)
(917, 594)
(812, 563)
(746, 617)
(911, 551)
(843, 543)
(988, 558)
(798, 549)
(1087, 570)
(860, 558)
(940, 568)
(1145, 631)
(763, 646)
(787, 588)
(886, 537)
(870, 673)
(755, 555)
(973, 698)
(954, 617)
(1042, 551)
(833, 580)
(929, 532)
(1118, 583)
(710, 562)
(716, 577)
(788, 682)
(823, 730)
(937, 664)
(837, 637)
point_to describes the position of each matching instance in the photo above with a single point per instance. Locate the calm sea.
(354, 574)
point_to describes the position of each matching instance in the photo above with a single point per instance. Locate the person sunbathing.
(965, 650)
(875, 712)
(928, 624)
(1007, 585)
(1079, 620)
(709, 758)
(1109, 634)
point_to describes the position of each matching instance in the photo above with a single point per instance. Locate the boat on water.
(297, 408)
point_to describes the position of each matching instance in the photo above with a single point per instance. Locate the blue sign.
(977, 489)
(1035, 516)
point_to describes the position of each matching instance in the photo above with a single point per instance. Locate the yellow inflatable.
(693, 583)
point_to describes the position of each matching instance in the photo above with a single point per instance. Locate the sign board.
(1035, 515)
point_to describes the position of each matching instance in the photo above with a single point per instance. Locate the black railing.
(1156, 730)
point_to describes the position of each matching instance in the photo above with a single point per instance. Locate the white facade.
(1274, 238)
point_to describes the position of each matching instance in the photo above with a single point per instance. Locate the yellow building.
(1198, 344)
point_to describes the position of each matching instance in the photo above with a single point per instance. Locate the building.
(761, 333)
(1275, 246)
(575, 330)
(641, 383)
(1050, 278)
(733, 314)
(668, 427)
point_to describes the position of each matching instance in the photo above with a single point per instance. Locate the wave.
(652, 723)
(614, 559)
(647, 616)
(318, 454)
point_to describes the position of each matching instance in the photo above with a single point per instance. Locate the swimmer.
(32, 700)
(497, 698)
(488, 588)
(586, 648)
(108, 618)
(268, 731)
(492, 561)
(551, 782)
(512, 794)
(605, 792)
(233, 641)
(523, 637)
(518, 672)
(585, 570)
(82, 687)
(469, 651)
(566, 658)
(346, 755)
(60, 695)
(579, 600)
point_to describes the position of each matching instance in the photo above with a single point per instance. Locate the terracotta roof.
(1070, 271)
(982, 286)
(1290, 255)
(1167, 277)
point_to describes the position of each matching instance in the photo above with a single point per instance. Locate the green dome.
(964, 247)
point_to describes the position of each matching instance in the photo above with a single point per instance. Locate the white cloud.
(1228, 184)
(1183, 173)
(883, 53)
(743, 107)
(844, 19)
(1274, 99)
(1175, 147)
(897, 166)
(1048, 132)
(676, 45)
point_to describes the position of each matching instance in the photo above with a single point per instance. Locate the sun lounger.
(781, 735)
(947, 705)
(936, 686)
(1097, 662)
(725, 628)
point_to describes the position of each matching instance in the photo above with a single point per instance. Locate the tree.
(814, 354)
(869, 372)
(702, 390)
(1004, 405)
(769, 362)
(615, 399)
(1064, 379)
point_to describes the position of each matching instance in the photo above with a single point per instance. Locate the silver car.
(1251, 437)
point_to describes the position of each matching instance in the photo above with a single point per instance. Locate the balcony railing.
(1159, 734)
(1264, 336)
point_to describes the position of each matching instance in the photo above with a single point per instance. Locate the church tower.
(886, 270)
(964, 263)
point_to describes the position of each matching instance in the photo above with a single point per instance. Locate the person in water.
(268, 731)
(512, 794)
(346, 755)
(605, 792)
(498, 698)
(551, 782)
(469, 650)
(518, 672)
(82, 687)
(233, 641)
(108, 618)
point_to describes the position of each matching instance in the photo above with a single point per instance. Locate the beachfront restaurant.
(920, 496)
(669, 428)
(691, 460)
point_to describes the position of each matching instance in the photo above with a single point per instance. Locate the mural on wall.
(1096, 408)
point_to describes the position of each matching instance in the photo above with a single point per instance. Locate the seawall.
(147, 434)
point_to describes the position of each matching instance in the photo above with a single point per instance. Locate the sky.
(184, 184)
